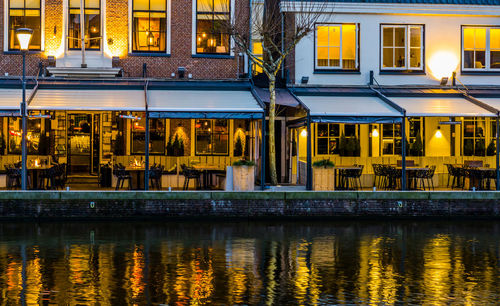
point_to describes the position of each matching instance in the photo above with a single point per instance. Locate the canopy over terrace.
(88, 100)
(361, 109)
(10, 101)
(210, 101)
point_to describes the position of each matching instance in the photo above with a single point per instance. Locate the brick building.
(127, 34)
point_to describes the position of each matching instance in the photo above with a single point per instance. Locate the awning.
(88, 100)
(493, 102)
(354, 109)
(10, 99)
(214, 104)
(440, 107)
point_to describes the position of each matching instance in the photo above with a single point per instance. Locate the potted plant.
(238, 147)
(417, 147)
(243, 175)
(480, 148)
(323, 175)
(342, 145)
(491, 150)
(468, 148)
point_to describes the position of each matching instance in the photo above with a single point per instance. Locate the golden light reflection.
(377, 281)
(437, 269)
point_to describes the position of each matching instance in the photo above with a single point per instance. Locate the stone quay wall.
(112, 205)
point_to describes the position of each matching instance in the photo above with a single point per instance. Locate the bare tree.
(271, 38)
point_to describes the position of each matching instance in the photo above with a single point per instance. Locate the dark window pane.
(468, 59)
(334, 130)
(480, 59)
(322, 145)
(322, 130)
(495, 59)
(350, 130)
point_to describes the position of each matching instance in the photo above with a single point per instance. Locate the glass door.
(79, 143)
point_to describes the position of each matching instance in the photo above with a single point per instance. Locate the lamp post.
(24, 37)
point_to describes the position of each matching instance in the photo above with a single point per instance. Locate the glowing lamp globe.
(442, 64)
(24, 38)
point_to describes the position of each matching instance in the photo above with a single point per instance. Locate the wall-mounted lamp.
(303, 133)
(438, 133)
(444, 81)
(55, 31)
(39, 116)
(375, 132)
(304, 80)
(110, 41)
(181, 71)
(130, 116)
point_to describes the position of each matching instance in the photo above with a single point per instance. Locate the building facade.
(128, 34)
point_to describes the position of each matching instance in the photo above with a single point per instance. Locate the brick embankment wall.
(247, 205)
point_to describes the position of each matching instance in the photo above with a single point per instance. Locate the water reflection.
(257, 263)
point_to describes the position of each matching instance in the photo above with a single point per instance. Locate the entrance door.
(80, 143)
(91, 24)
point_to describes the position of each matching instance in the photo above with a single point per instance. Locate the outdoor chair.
(429, 175)
(60, 176)
(13, 177)
(48, 178)
(488, 177)
(155, 174)
(394, 178)
(377, 173)
(454, 175)
(190, 174)
(355, 176)
(122, 176)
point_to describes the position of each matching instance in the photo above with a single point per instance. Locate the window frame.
(340, 68)
(476, 123)
(392, 139)
(101, 26)
(167, 28)
(7, 29)
(164, 140)
(406, 68)
(212, 133)
(342, 127)
(487, 50)
(213, 13)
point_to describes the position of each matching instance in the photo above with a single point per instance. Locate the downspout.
(403, 152)
(309, 152)
(497, 182)
(146, 149)
(263, 154)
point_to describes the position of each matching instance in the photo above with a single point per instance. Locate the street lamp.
(24, 37)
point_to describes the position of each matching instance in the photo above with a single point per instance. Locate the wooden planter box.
(323, 178)
(243, 178)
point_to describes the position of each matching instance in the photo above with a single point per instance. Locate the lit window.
(211, 18)
(156, 135)
(259, 53)
(391, 139)
(92, 26)
(402, 47)
(473, 136)
(149, 26)
(25, 14)
(329, 139)
(212, 137)
(337, 47)
(481, 48)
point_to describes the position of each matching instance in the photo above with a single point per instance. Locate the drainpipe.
(497, 185)
(263, 154)
(403, 152)
(309, 153)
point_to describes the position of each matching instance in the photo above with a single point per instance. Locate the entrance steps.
(78, 179)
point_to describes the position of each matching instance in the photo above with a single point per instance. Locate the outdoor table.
(34, 172)
(475, 181)
(411, 179)
(338, 177)
(206, 170)
(138, 170)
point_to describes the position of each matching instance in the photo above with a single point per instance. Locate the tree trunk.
(272, 140)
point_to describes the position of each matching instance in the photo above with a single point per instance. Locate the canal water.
(275, 263)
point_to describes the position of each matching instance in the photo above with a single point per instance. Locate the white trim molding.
(391, 8)
(6, 25)
(168, 31)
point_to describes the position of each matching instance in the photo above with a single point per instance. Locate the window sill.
(222, 56)
(336, 71)
(149, 54)
(480, 72)
(400, 72)
(19, 52)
